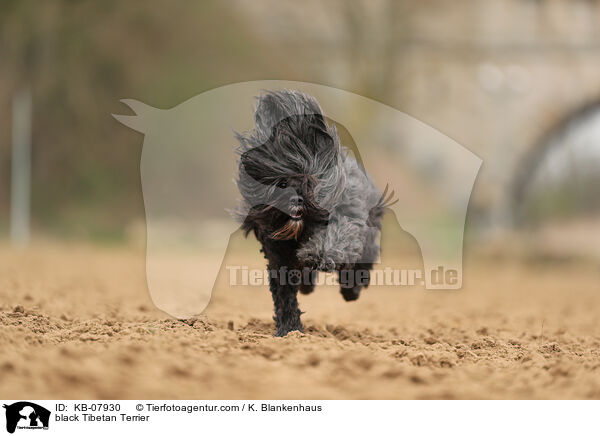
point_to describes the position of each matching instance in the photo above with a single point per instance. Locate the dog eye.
(282, 184)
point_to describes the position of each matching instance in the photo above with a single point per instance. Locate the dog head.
(290, 170)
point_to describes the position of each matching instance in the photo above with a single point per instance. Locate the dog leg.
(287, 313)
(353, 279)
(340, 243)
(313, 255)
(309, 280)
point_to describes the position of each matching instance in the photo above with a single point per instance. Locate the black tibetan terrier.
(309, 203)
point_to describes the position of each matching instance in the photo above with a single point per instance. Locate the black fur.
(309, 203)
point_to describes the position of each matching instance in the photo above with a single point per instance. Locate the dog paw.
(351, 294)
(326, 264)
(283, 331)
(309, 261)
(316, 261)
(308, 283)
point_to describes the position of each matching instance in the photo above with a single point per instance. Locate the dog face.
(286, 202)
(290, 170)
(291, 194)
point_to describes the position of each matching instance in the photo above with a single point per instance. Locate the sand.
(76, 322)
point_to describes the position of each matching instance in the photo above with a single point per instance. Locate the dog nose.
(296, 200)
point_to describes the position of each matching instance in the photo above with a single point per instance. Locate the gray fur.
(307, 200)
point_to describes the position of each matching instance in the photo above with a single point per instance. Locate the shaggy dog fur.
(309, 203)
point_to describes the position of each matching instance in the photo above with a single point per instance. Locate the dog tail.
(376, 212)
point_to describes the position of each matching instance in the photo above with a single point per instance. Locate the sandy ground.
(77, 322)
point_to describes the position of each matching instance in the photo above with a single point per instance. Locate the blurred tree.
(81, 57)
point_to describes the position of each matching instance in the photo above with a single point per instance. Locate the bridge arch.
(551, 139)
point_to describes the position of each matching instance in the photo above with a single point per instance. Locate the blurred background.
(515, 81)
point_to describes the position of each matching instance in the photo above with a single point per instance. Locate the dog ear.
(268, 113)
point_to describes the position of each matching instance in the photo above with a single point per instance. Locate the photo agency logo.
(209, 167)
(242, 275)
(24, 415)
